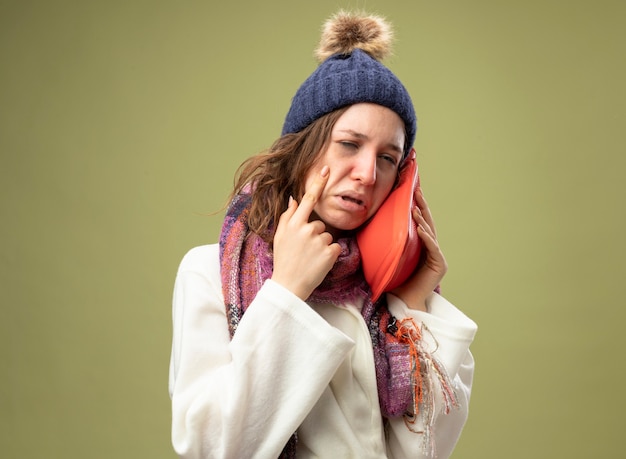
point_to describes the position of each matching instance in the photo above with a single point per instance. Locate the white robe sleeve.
(448, 334)
(245, 397)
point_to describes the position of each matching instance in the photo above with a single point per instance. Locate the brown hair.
(281, 171)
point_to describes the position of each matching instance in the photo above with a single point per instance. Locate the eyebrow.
(359, 135)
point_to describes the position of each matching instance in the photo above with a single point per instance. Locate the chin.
(337, 223)
(342, 228)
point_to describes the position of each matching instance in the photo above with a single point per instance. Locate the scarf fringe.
(423, 369)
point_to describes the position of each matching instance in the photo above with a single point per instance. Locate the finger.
(288, 213)
(424, 209)
(435, 255)
(317, 227)
(426, 238)
(421, 221)
(335, 248)
(326, 238)
(425, 232)
(312, 194)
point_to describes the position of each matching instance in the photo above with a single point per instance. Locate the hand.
(303, 251)
(433, 267)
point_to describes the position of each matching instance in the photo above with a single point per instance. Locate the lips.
(354, 200)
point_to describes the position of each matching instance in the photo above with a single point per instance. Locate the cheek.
(313, 174)
(310, 180)
(382, 192)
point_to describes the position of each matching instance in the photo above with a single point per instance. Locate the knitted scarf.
(403, 367)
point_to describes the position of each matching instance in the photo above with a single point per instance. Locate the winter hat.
(349, 52)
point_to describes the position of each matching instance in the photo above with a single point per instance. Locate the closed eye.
(390, 158)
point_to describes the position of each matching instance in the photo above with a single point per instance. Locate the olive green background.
(122, 124)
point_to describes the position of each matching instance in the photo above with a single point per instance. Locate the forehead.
(373, 122)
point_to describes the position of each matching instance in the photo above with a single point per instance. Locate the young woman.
(279, 349)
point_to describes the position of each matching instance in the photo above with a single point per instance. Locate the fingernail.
(290, 200)
(324, 171)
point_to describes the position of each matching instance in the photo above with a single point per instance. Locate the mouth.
(350, 199)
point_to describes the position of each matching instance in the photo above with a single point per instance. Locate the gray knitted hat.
(350, 73)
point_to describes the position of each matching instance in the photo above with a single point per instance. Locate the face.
(364, 152)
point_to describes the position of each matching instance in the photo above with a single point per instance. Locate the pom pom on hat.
(351, 73)
(345, 32)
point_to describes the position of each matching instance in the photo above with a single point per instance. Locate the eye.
(347, 144)
(390, 159)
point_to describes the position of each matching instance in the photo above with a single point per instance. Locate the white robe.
(294, 366)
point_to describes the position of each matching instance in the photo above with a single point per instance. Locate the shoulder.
(203, 260)
(198, 278)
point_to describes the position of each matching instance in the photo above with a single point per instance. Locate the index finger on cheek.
(313, 193)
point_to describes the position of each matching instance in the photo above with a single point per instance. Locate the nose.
(364, 168)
